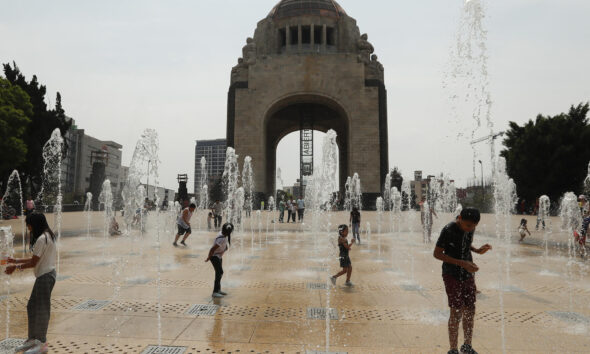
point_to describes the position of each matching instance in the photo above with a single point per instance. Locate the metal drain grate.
(63, 277)
(317, 269)
(571, 317)
(192, 256)
(319, 313)
(163, 349)
(92, 305)
(411, 287)
(208, 310)
(137, 281)
(8, 345)
(317, 286)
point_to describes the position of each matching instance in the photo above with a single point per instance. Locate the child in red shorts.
(454, 249)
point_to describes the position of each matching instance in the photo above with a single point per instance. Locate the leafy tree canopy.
(550, 155)
(15, 112)
(43, 122)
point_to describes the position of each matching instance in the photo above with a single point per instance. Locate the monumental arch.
(309, 64)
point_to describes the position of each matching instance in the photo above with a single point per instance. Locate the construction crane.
(489, 137)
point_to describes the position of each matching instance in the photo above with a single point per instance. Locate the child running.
(184, 224)
(345, 263)
(523, 229)
(43, 261)
(220, 245)
(454, 249)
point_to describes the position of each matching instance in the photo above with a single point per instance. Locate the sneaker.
(333, 280)
(216, 295)
(222, 292)
(28, 344)
(39, 348)
(453, 351)
(349, 283)
(467, 349)
(175, 244)
(182, 243)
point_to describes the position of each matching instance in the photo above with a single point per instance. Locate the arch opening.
(313, 112)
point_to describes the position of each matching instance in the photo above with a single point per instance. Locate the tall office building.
(214, 153)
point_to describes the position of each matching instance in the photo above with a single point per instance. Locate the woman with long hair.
(43, 244)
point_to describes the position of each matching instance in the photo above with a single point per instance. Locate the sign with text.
(306, 152)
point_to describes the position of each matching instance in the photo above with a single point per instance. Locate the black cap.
(470, 214)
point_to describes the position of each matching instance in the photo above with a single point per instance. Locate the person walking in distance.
(217, 210)
(184, 224)
(220, 245)
(453, 248)
(300, 208)
(355, 222)
(43, 243)
(289, 210)
(294, 210)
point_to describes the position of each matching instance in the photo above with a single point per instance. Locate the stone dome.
(293, 8)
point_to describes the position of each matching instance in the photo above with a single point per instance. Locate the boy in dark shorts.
(345, 263)
(454, 249)
(184, 224)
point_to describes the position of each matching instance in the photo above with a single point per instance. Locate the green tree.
(43, 122)
(15, 110)
(550, 155)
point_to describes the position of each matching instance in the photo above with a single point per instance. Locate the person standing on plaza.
(355, 223)
(217, 210)
(289, 210)
(43, 261)
(300, 208)
(184, 224)
(453, 248)
(344, 248)
(294, 210)
(29, 206)
(282, 211)
(220, 245)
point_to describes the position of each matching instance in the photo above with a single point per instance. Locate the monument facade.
(308, 66)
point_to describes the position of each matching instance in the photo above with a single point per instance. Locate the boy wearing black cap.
(345, 263)
(454, 249)
(220, 245)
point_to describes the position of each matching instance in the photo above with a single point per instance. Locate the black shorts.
(460, 293)
(345, 262)
(182, 230)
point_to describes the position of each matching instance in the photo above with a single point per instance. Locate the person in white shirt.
(184, 224)
(43, 243)
(220, 245)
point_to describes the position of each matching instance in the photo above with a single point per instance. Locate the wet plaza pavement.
(106, 296)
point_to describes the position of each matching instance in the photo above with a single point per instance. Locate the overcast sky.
(123, 66)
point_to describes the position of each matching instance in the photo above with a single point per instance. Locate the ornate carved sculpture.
(365, 49)
(249, 52)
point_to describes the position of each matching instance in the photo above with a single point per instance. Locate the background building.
(89, 159)
(214, 153)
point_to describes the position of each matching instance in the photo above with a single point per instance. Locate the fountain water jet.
(13, 198)
(51, 186)
(6, 251)
(87, 211)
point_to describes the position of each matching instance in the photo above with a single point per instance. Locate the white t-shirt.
(181, 221)
(221, 241)
(45, 249)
